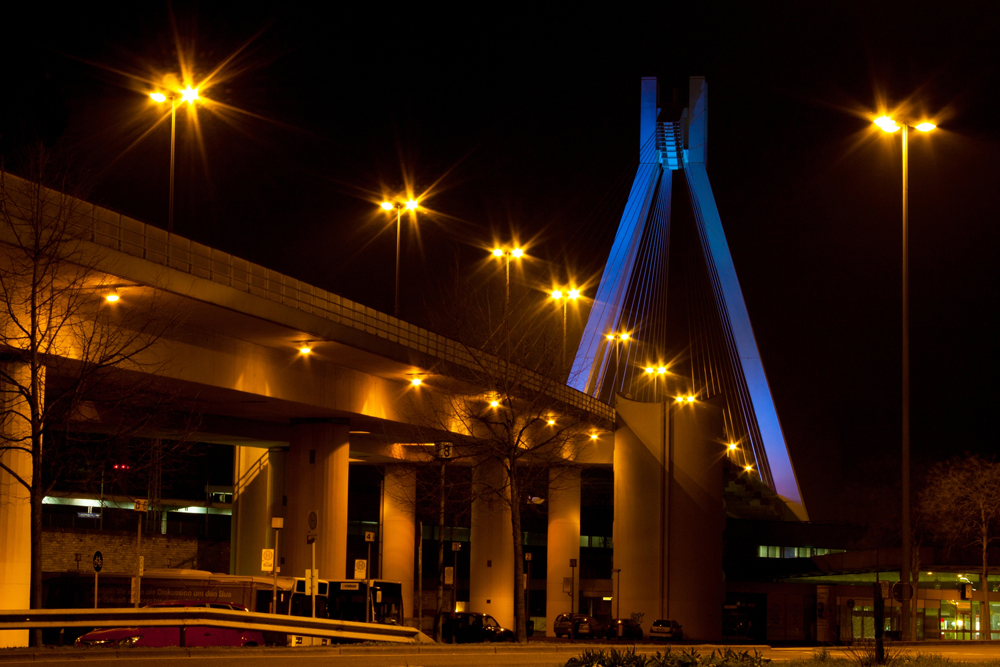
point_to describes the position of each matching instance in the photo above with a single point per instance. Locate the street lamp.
(618, 338)
(887, 124)
(189, 95)
(655, 372)
(411, 205)
(565, 296)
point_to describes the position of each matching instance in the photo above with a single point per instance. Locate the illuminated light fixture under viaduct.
(305, 348)
(416, 382)
(112, 297)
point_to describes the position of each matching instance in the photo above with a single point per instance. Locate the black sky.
(526, 118)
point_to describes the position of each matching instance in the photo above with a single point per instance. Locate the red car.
(202, 635)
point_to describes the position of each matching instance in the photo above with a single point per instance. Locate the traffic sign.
(312, 521)
(360, 568)
(267, 560)
(901, 591)
(142, 565)
(449, 576)
(456, 546)
(369, 536)
(142, 505)
(527, 556)
(98, 561)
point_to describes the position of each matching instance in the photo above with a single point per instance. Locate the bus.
(366, 601)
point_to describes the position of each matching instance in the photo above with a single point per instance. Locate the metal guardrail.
(124, 234)
(26, 619)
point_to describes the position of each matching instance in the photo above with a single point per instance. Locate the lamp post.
(887, 124)
(618, 338)
(618, 595)
(411, 205)
(565, 296)
(189, 95)
(655, 372)
(507, 254)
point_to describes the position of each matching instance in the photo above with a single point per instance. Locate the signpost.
(141, 506)
(455, 548)
(98, 565)
(572, 586)
(277, 523)
(311, 539)
(369, 538)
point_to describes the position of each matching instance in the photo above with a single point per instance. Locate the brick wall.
(60, 547)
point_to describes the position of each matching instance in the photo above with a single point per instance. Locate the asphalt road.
(532, 655)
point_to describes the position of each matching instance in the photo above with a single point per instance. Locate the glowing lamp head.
(926, 127)
(517, 252)
(112, 297)
(662, 370)
(574, 294)
(593, 436)
(497, 252)
(387, 206)
(551, 422)
(411, 205)
(416, 382)
(494, 403)
(609, 336)
(189, 95)
(649, 370)
(158, 97)
(748, 468)
(886, 124)
(679, 399)
(690, 399)
(305, 349)
(732, 446)
(624, 336)
(556, 294)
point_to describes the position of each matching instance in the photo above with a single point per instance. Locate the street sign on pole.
(456, 546)
(98, 561)
(449, 575)
(142, 505)
(267, 560)
(369, 536)
(360, 568)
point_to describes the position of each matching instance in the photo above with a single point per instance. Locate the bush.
(690, 658)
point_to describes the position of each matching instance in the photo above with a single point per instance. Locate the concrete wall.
(491, 577)
(60, 547)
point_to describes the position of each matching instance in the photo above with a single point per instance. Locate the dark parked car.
(466, 627)
(577, 626)
(175, 636)
(623, 628)
(666, 630)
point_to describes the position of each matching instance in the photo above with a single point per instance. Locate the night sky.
(522, 122)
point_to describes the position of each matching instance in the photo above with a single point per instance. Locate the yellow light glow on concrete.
(494, 403)
(556, 294)
(411, 205)
(926, 127)
(574, 294)
(189, 95)
(305, 349)
(158, 97)
(517, 252)
(387, 206)
(416, 382)
(886, 124)
(111, 298)
(497, 252)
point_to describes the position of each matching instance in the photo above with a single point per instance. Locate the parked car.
(666, 630)
(466, 627)
(198, 635)
(577, 626)
(623, 628)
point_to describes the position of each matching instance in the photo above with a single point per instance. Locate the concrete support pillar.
(563, 542)
(276, 499)
(491, 577)
(251, 524)
(398, 534)
(316, 481)
(15, 507)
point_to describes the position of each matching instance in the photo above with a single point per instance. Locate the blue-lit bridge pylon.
(689, 314)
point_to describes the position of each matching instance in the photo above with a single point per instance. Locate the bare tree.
(961, 499)
(65, 348)
(503, 405)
